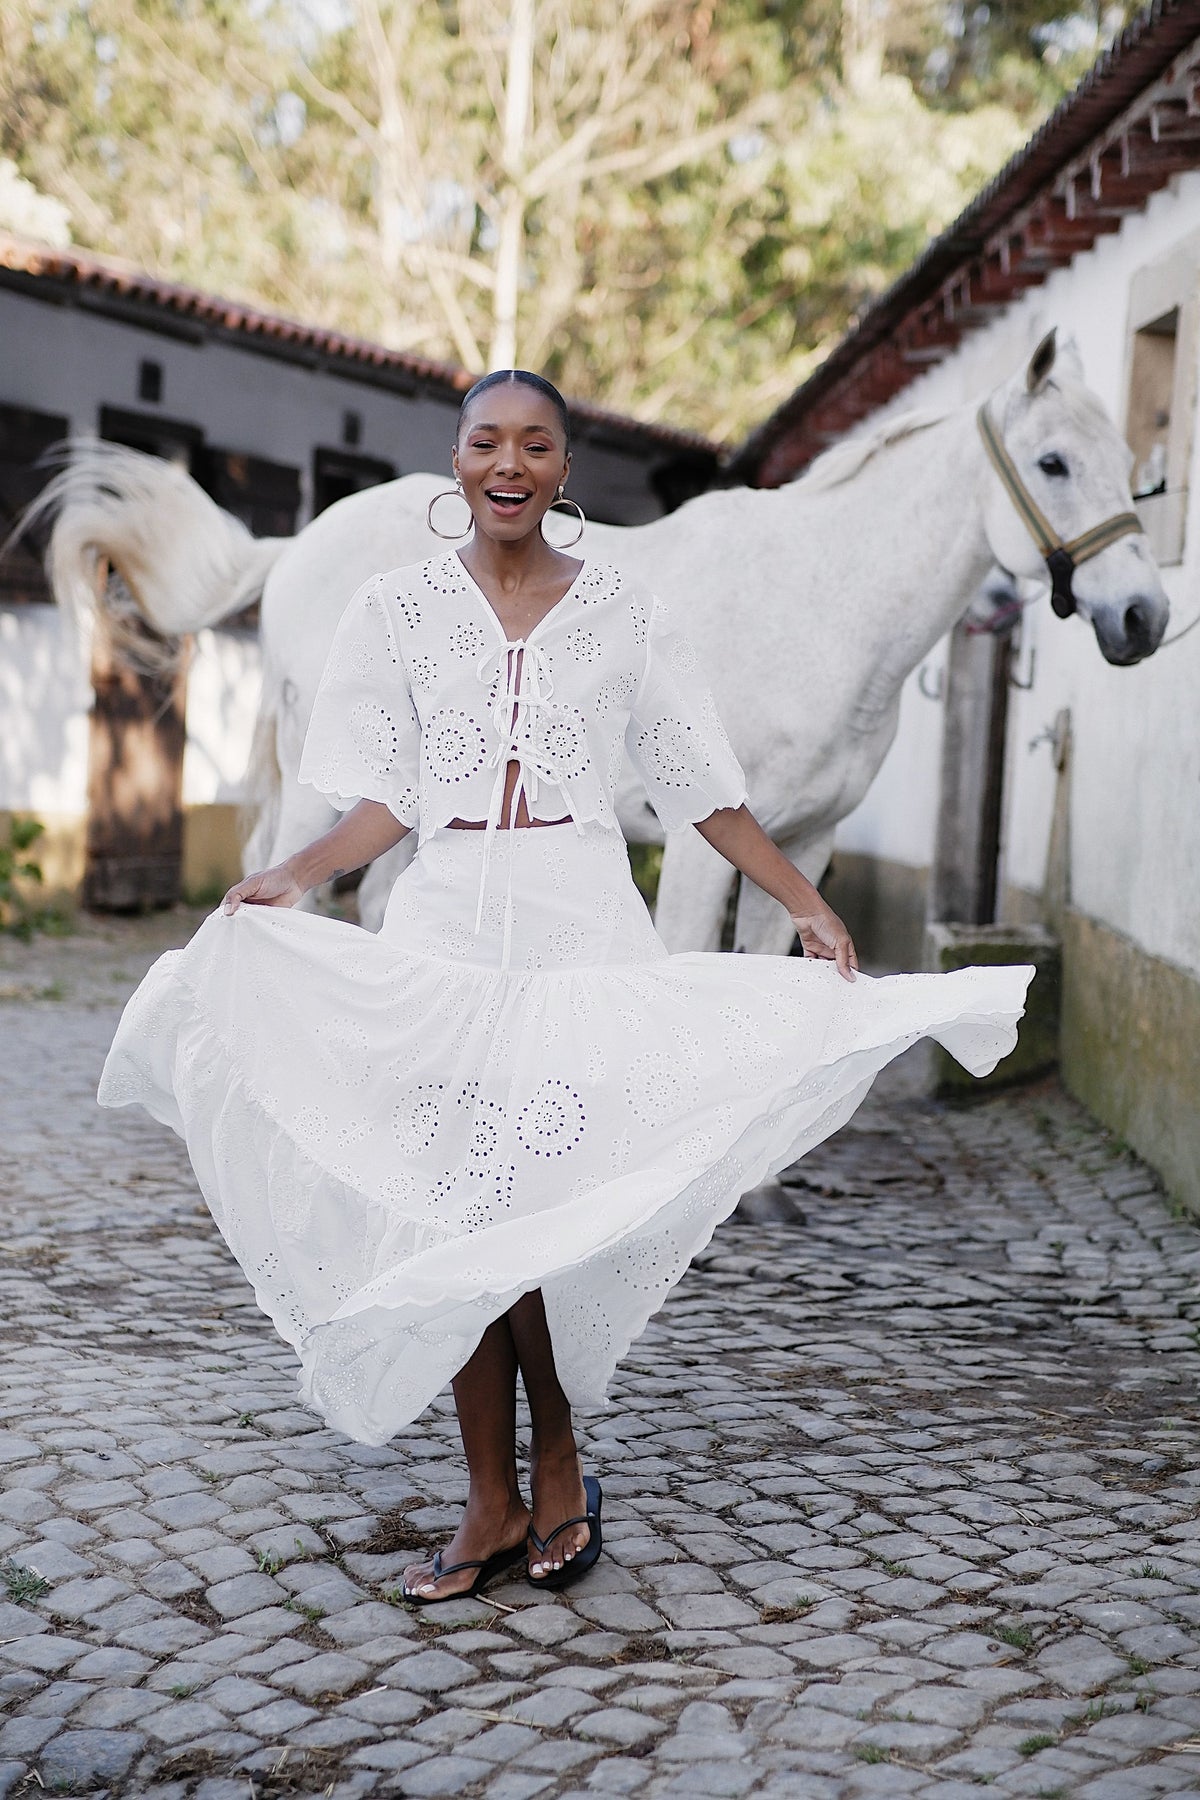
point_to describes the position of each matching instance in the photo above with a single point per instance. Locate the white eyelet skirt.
(397, 1137)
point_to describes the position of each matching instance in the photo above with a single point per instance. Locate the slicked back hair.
(526, 378)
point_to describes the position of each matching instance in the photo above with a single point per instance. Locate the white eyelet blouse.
(425, 701)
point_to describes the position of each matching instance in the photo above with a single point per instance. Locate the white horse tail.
(181, 562)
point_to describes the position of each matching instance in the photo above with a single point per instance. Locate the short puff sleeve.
(675, 738)
(364, 738)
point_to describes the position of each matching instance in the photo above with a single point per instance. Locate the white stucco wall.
(45, 694)
(1135, 793)
(224, 683)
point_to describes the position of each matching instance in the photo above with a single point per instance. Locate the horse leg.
(762, 926)
(693, 893)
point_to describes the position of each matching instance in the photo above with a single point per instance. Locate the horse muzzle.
(1128, 633)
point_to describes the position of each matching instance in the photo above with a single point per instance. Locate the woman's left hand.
(822, 934)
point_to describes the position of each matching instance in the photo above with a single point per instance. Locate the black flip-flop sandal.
(586, 1558)
(492, 1565)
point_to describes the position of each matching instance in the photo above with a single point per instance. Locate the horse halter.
(1061, 559)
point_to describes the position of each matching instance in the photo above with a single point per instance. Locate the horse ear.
(1041, 362)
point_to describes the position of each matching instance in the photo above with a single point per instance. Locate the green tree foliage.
(673, 207)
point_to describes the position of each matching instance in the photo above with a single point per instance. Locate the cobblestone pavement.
(900, 1488)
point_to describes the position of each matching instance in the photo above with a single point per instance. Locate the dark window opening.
(150, 381)
(25, 437)
(1151, 389)
(336, 476)
(352, 429)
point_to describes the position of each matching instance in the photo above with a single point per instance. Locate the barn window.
(25, 437)
(1161, 393)
(150, 381)
(337, 475)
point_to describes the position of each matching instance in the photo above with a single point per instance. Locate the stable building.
(276, 419)
(1083, 808)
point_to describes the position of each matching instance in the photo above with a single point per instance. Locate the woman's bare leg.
(496, 1517)
(554, 1471)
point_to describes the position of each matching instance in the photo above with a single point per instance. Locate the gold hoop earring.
(447, 494)
(560, 499)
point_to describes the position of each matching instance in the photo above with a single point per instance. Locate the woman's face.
(511, 458)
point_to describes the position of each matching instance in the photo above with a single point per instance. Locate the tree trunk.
(518, 88)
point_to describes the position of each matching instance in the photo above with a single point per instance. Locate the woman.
(491, 1138)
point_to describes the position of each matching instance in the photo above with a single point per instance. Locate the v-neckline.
(494, 616)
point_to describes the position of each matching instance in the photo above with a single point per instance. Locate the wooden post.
(962, 883)
(134, 856)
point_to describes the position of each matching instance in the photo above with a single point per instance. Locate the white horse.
(808, 605)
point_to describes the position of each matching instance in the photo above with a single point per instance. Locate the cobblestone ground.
(900, 1488)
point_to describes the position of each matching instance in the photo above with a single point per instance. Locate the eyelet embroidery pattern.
(467, 641)
(375, 735)
(553, 1122)
(415, 1118)
(658, 1086)
(454, 746)
(670, 749)
(584, 646)
(556, 704)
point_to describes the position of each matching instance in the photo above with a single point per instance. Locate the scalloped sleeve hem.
(675, 739)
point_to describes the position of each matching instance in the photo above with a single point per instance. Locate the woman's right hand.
(270, 887)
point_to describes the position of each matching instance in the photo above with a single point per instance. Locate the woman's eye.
(1052, 464)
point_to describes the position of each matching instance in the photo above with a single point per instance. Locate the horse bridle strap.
(1061, 559)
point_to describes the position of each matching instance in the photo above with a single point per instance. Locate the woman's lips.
(506, 503)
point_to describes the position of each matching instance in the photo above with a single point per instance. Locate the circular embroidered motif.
(559, 741)
(668, 749)
(416, 1117)
(375, 735)
(659, 1087)
(553, 1122)
(454, 746)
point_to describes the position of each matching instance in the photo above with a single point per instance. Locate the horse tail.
(173, 559)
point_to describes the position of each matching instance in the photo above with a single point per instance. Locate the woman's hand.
(270, 887)
(822, 934)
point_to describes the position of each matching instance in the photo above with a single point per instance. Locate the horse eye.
(1052, 464)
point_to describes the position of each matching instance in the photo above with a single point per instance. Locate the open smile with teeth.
(508, 499)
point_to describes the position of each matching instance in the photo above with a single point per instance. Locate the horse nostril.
(1137, 622)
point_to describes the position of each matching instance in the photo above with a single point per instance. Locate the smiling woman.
(492, 1137)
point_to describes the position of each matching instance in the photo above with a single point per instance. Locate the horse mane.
(841, 461)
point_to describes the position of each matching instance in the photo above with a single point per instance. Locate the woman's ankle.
(495, 1499)
(553, 1453)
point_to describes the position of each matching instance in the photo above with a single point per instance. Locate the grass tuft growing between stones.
(23, 1585)
(1041, 1740)
(1019, 1636)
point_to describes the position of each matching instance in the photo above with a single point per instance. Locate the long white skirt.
(398, 1136)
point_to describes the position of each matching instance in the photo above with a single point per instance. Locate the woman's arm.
(361, 835)
(741, 840)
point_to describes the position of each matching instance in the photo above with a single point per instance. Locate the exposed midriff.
(506, 822)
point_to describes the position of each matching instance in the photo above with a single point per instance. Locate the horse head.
(1058, 501)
